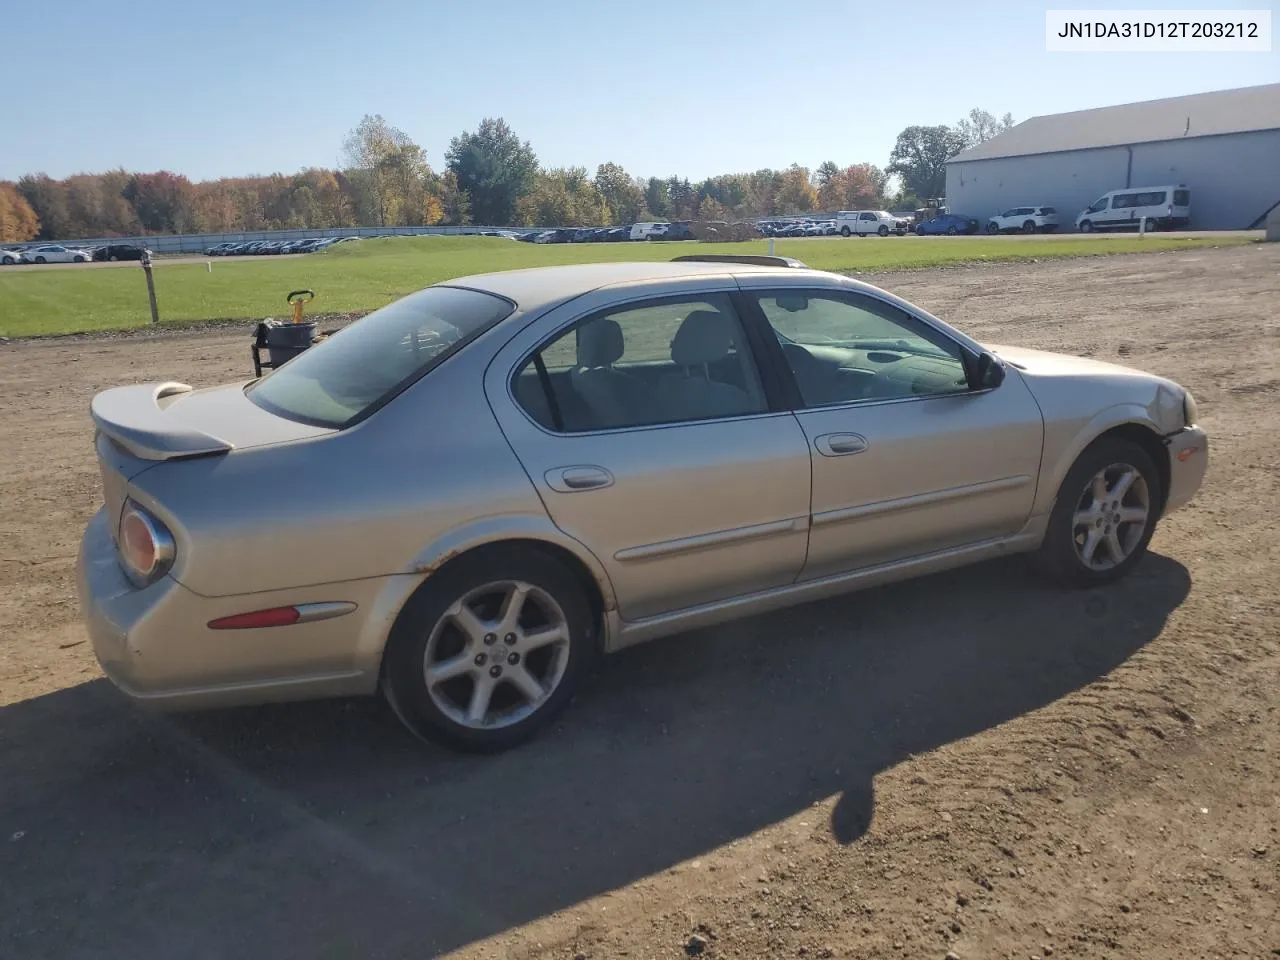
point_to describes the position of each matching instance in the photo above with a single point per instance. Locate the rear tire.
(844, 232)
(1104, 515)
(480, 627)
(1029, 227)
(41, 260)
(951, 231)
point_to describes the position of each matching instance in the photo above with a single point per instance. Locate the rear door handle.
(840, 444)
(573, 479)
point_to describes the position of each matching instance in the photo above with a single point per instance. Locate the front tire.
(883, 231)
(1086, 226)
(1104, 516)
(489, 650)
(993, 229)
(951, 231)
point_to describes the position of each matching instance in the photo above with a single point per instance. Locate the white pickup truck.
(865, 222)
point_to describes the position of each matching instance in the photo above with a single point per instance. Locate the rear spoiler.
(134, 418)
(758, 259)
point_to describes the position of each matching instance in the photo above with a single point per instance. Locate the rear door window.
(668, 361)
(367, 363)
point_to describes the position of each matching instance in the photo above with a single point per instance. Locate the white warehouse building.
(1224, 146)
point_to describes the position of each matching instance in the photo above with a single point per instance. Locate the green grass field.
(362, 276)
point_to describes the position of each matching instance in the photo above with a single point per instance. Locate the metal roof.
(1243, 110)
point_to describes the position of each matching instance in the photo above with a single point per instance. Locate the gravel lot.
(972, 762)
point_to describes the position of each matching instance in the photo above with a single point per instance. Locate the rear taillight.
(145, 544)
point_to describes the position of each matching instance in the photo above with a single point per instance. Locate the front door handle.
(573, 479)
(840, 444)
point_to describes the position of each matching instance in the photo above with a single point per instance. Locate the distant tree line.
(490, 177)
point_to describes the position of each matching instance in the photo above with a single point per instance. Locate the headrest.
(599, 343)
(705, 337)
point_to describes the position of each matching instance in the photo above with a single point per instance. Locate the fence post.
(151, 285)
(771, 246)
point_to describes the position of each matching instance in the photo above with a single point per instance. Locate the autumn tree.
(162, 201)
(495, 168)
(796, 193)
(18, 221)
(980, 125)
(563, 197)
(48, 198)
(388, 170)
(623, 195)
(762, 192)
(860, 186)
(920, 155)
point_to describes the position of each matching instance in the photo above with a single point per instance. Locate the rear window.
(1048, 211)
(366, 364)
(1181, 198)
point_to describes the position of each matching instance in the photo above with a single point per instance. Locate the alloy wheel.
(1111, 517)
(496, 655)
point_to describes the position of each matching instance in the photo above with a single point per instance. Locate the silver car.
(463, 498)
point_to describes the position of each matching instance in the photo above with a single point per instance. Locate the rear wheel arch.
(590, 575)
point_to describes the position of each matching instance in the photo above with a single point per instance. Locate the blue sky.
(694, 87)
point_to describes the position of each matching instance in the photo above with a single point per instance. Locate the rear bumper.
(1188, 460)
(155, 646)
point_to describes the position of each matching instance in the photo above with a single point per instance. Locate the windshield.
(370, 361)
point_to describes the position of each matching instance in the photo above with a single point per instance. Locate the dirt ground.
(972, 762)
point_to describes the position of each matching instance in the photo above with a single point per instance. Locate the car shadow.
(323, 830)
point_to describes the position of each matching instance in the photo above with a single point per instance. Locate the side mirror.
(989, 372)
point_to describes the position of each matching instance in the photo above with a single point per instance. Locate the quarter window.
(668, 361)
(846, 348)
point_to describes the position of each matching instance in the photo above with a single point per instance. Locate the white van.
(643, 231)
(1166, 208)
(866, 222)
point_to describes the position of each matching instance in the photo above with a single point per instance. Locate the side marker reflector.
(282, 616)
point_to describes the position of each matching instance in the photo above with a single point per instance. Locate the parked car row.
(798, 228)
(45, 253)
(577, 235)
(272, 247)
